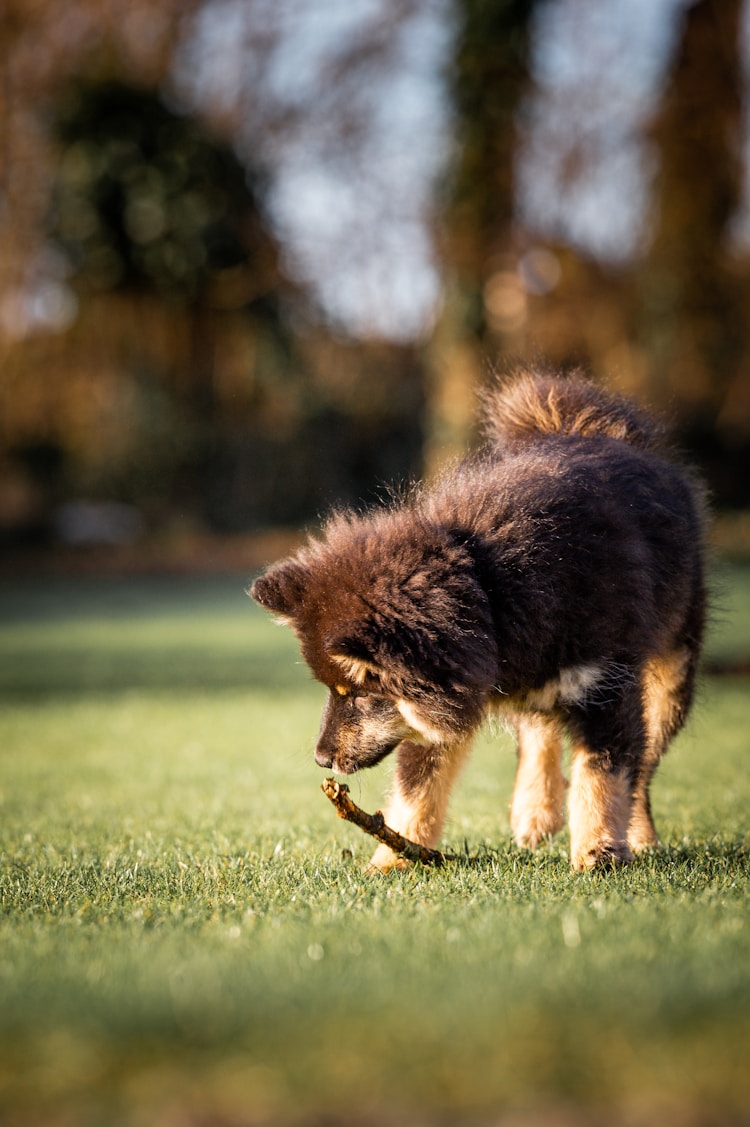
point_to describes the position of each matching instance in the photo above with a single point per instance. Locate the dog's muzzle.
(324, 758)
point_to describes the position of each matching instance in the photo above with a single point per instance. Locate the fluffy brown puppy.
(556, 579)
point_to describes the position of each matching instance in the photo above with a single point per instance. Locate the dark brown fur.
(557, 579)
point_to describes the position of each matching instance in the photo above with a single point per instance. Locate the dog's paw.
(538, 808)
(384, 860)
(640, 843)
(642, 835)
(529, 829)
(601, 855)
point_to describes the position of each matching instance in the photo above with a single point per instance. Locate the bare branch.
(374, 824)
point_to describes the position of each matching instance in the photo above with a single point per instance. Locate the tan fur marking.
(355, 669)
(641, 830)
(577, 681)
(282, 619)
(599, 807)
(570, 686)
(662, 680)
(538, 807)
(545, 698)
(422, 728)
(420, 814)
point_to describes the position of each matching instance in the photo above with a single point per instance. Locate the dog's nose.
(323, 757)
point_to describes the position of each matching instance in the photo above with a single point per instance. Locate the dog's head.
(399, 631)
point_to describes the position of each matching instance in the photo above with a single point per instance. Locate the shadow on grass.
(711, 859)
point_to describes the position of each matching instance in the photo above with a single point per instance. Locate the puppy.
(557, 579)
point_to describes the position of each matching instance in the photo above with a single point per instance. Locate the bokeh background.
(259, 255)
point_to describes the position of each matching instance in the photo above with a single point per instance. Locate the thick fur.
(557, 578)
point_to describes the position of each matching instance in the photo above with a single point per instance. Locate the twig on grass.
(374, 824)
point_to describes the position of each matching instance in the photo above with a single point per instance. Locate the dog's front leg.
(538, 807)
(422, 785)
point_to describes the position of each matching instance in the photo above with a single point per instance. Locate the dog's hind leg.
(668, 683)
(538, 807)
(599, 811)
(609, 745)
(423, 782)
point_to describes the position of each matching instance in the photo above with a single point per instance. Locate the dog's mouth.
(346, 765)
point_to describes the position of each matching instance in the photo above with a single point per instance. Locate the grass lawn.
(188, 939)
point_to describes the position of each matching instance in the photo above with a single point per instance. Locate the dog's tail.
(531, 406)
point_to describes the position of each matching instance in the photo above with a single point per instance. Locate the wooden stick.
(374, 824)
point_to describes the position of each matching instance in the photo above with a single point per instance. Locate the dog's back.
(587, 533)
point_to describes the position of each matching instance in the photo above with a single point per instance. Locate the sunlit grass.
(187, 933)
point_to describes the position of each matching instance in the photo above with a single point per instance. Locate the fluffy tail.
(530, 406)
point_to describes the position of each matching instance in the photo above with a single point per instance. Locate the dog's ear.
(281, 590)
(355, 655)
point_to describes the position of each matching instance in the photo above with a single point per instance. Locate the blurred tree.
(166, 357)
(154, 210)
(669, 320)
(146, 198)
(40, 54)
(692, 283)
(147, 202)
(488, 80)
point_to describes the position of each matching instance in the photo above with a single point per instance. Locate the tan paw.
(639, 843)
(384, 859)
(529, 829)
(641, 834)
(601, 855)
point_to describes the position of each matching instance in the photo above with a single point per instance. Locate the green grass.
(187, 935)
